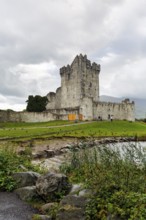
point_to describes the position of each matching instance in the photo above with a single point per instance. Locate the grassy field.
(71, 129)
(37, 124)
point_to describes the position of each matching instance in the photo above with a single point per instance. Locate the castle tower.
(78, 96)
(79, 80)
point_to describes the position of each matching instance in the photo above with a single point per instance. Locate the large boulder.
(27, 193)
(52, 186)
(46, 208)
(25, 178)
(72, 208)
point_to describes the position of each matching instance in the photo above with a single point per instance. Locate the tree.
(36, 103)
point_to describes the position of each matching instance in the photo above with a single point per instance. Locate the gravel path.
(12, 208)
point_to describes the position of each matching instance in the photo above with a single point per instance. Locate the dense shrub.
(11, 162)
(117, 178)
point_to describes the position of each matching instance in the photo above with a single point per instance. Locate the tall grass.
(11, 162)
(117, 179)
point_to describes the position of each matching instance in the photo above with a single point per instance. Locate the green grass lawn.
(91, 129)
(32, 124)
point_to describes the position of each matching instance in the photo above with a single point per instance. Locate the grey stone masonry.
(78, 80)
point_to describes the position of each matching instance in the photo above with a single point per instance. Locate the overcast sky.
(37, 37)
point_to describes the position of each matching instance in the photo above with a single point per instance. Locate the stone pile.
(46, 188)
(53, 190)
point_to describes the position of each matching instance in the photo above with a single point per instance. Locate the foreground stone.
(48, 207)
(72, 208)
(25, 178)
(27, 193)
(51, 186)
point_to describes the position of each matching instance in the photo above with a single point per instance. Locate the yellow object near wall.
(72, 117)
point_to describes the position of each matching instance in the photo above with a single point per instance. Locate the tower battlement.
(65, 69)
(81, 62)
(79, 80)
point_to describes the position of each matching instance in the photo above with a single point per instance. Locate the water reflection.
(120, 145)
(130, 151)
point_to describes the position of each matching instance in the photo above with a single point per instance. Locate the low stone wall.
(36, 117)
(9, 116)
(51, 115)
(12, 116)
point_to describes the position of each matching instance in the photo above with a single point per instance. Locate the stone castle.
(78, 96)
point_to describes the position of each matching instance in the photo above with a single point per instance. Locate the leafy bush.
(11, 162)
(117, 178)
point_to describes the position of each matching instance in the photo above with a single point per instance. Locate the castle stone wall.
(50, 115)
(78, 80)
(58, 98)
(51, 100)
(63, 114)
(70, 86)
(12, 116)
(119, 111)
(36, 117)
(54, 99)
(86, 108)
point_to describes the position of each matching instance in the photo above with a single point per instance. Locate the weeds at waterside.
(117, 178)
(11, 162)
